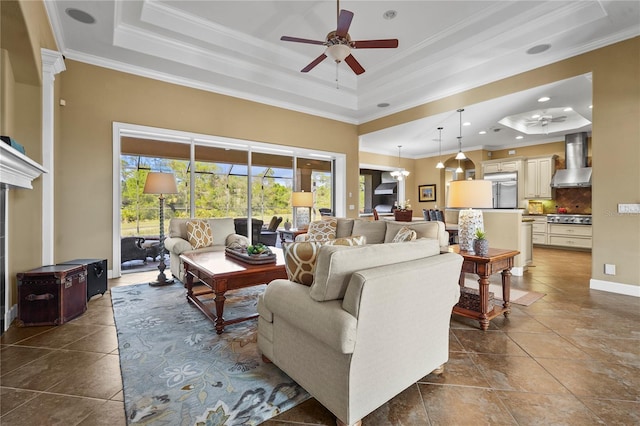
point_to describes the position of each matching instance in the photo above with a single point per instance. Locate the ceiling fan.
(339, 43)
(544, 120)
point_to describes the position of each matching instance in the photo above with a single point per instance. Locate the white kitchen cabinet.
(538, 174)
(495, 166)
(578, 236)
(539, 229)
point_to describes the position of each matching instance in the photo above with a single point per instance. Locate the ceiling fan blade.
(344, 22)
(355, 65)
(300, 40)
(314, 63)
(391, 43)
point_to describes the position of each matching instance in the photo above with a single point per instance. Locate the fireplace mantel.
(16, 169)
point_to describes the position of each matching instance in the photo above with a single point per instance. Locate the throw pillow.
(300, 261)
(322, 230)
(199, 234)
(405, 234)
(356, 240)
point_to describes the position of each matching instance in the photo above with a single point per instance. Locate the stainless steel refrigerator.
(505, 189)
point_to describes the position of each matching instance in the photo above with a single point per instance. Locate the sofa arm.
(326, 321)
(177, 245)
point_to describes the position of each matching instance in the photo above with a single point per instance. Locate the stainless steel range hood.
(576, 174)
(389, 185)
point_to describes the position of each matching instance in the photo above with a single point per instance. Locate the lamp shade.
(160, 183)
(470, 194)
(302, 199)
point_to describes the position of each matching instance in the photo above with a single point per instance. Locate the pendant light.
(460, 155)
(399, 174)
(440, 165)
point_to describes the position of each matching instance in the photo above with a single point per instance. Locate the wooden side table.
(290, 234)
(496, 260)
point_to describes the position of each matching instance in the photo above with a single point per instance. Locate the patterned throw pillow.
(405, 234)
(199, 234)
(356, 240)
(322, 230)
(300, 261)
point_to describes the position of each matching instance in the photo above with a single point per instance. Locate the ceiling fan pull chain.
(337, 85)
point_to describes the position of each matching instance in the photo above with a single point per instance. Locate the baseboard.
(619, 288)
(10, 315)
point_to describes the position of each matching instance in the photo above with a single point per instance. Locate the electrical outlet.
(352, 207)
(609, 269)
(512, 152)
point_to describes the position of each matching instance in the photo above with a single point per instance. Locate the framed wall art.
(426, 193)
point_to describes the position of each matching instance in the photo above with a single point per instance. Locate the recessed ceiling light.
(482, 132)
(520, 137)
(390, 14)
(466, 123)
(80, 16)
(538, 49)
(590, 106)
(567, 109)
(544, 99)
(534, 116)
(383, 104)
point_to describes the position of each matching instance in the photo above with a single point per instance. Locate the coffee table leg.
(220, 288)
(189, 283)
(506, 291)
(483, 287)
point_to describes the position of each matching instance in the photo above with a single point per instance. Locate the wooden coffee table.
(220, 274)
(496, 260)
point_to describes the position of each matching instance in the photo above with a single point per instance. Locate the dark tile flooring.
(571, 358)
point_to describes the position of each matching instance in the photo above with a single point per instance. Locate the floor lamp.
(467, 195)
(161, 183)
(302, 199)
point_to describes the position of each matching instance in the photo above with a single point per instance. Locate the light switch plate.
(629, 208)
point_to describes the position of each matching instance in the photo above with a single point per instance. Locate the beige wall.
(24, 31)
(615, 148)
(96, 97)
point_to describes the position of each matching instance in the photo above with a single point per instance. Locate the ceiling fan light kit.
(339, 44)
(460, 155)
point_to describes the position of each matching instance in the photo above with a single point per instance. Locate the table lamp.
(161, 183)
(298, 200)
(467, 195)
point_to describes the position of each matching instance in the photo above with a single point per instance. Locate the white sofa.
(374, 321)
(383, 231)
(177, 243)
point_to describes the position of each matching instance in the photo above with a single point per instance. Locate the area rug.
(177, 371)
(519, 297)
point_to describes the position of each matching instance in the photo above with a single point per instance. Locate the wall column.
(52, 64)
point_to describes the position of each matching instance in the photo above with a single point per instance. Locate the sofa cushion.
(344, 228)
(199, 234)
(405, 234)
(373, 230)
(336, 264)
(356, 240)
(423, 229)
(300, 261)
(322, 230)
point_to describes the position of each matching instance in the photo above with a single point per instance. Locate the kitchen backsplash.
(575, 200)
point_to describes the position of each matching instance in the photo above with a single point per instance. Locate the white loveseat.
(374, 321)
(177, 243)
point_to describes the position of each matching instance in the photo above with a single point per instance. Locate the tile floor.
(571, 358)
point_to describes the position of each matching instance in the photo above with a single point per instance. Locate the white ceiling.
(234, 48)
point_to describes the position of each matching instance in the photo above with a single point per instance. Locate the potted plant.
(480, 243)
(287, 224)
